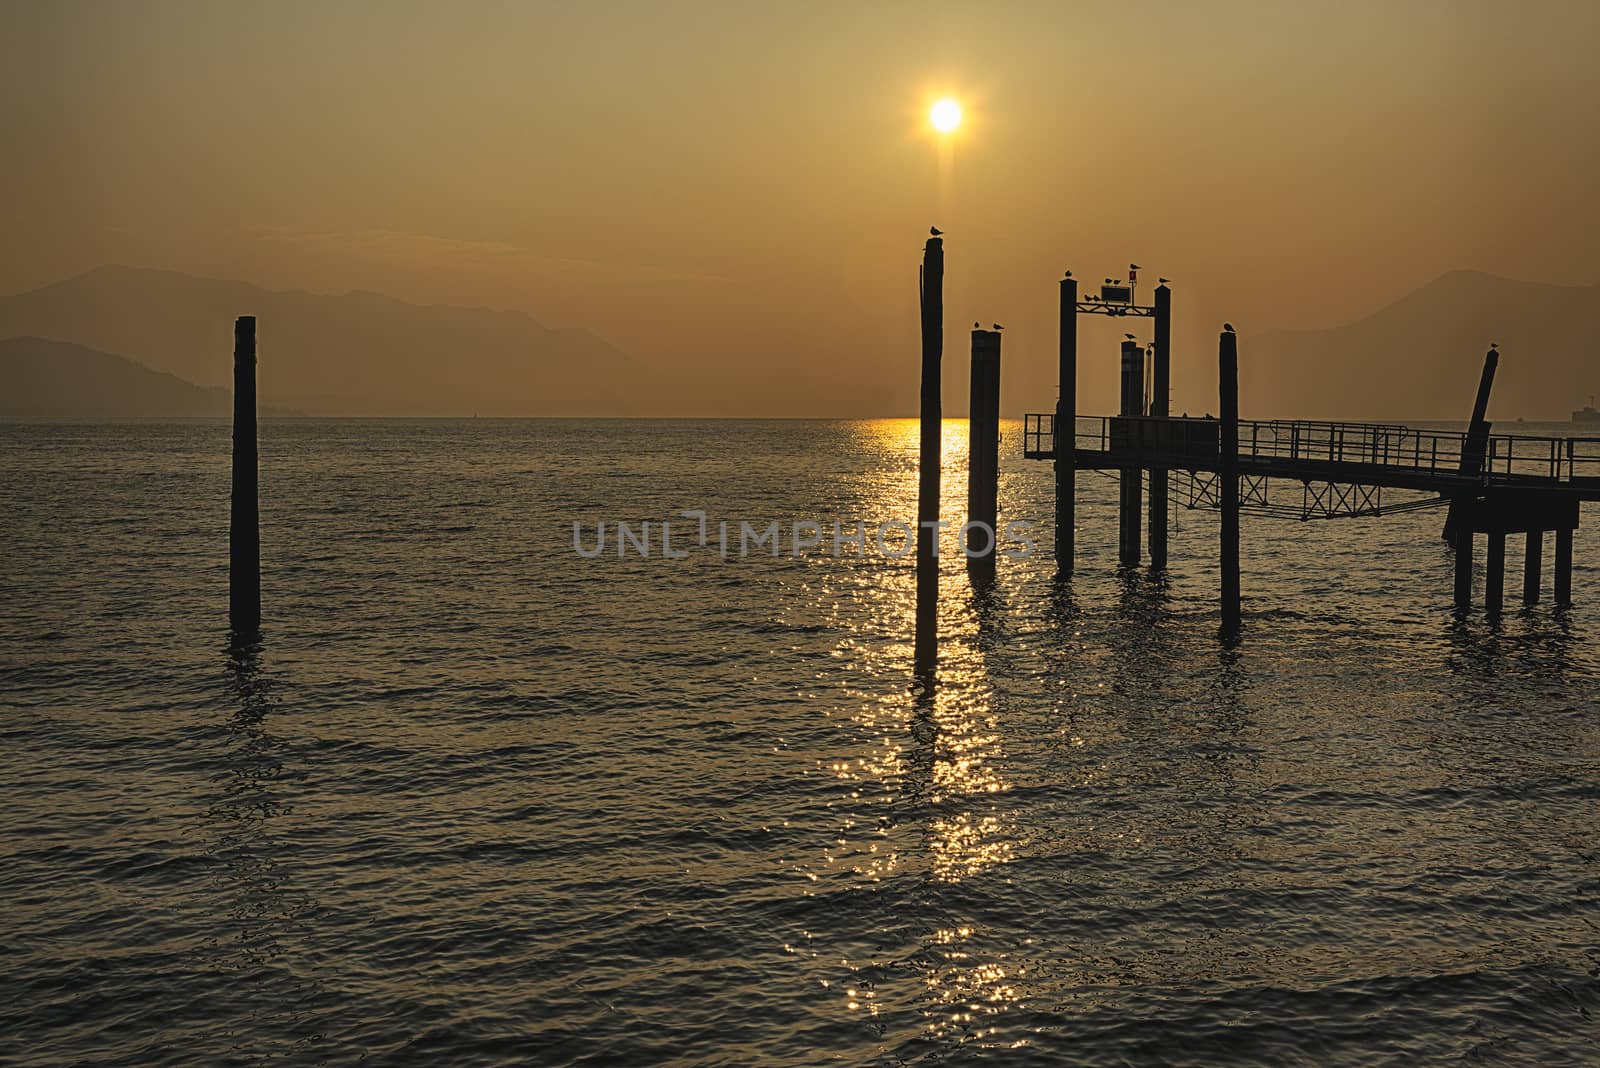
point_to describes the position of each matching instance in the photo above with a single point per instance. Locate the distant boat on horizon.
(1586, 414)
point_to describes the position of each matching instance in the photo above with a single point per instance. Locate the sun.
(945, 115)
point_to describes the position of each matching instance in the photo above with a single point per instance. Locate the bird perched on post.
(1134, 267)
(935, 231)
(997, 327)
(1163, 281)
(1228, 327)
(1492, 345)
(1130, 337)
(975, 326)
(1067, 275)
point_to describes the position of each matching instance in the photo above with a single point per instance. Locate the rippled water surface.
(479, 800)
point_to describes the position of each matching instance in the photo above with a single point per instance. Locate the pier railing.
(1176, 442)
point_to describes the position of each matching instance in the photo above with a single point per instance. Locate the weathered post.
(1132, 474)
(1477, 439)
(1494, 579)
(927, 635)
(1228, 482)
(1563, 576)
(1463, 548)
(244, 528)
(1532, 564)
(1066, 427)
(1161, 388)
(983, 448)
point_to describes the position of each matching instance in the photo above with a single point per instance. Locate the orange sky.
(708, 185)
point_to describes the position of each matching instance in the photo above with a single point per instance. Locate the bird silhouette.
(935, 231)
(975, 326)
(1492, 345)
(1134, 267)
(997, 326)
(1067, 275)
(1163, 281)
(1228, 327)
(1108, 281)
(1130, 337)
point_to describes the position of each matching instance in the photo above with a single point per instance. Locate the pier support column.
(1066, 428)
(983, 449)
(1133, 475)
(1463, 549)
(1563, 568)
(1532, 564)
(1228, 482)
(1160, 390)
(1477, 440)
(244, 527)
(1494, 582)
(928, 470)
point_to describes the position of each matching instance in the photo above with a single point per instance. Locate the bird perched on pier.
(935, 231)
(1108, 281)
(1163, 281)
(975, 326)
(1130, 337)
(1134, 267)
(1492, 345)
(1067, 275)
(1228, 327)
(997, 327)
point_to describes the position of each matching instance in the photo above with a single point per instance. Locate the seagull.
(1163, 281)
(935, 231)
(1067, 275)
(1493, 345)
(1228, 327)
(1130, 337)
(1134, 267)
(997, 326)
(974, 326)
(1108, 281)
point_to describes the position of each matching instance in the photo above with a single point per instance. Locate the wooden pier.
(1492, 484)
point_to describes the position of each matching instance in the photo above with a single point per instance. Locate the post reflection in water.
(255, 960)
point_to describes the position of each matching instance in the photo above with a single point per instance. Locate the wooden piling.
(1463, 550)
(1160, 390)
(1563, 576)
(1494, 580)
(1132, 477)
(1474, 447)
(927, 633)
(1532, 564)
(1065, 427)
(244, 528)
(983, 446)
(1228, 481)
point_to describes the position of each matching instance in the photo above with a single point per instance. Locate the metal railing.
(1391, 445)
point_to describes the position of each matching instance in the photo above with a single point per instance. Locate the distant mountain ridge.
(350, 354)
(40, 378)
(1420, 357)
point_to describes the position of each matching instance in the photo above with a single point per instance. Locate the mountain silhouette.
(350, 354)
(40, 378)
(1419, 358)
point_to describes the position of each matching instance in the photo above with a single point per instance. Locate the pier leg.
(1532, 564)
(1463, 540)
(983, 445)
(1228, 482)
(1494, 592)
(1065, 425)
(244, 527)
(1132, 476)
(928, 471)
(1563, 567)
(1477, 441)
(1160, 389)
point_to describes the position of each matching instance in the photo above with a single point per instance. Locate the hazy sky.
(719, 184)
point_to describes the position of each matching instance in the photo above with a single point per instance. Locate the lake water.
(477, 799)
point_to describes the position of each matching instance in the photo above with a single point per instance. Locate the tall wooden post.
(1132, 475)
(1494, 578)
(1066, 427)
(983, 446)
(1477, 440)
(1228, 482)
(1563, 575)
(1463, 548)
(244, 528)
(1160, 390)
(927, 636)
(1532, 564)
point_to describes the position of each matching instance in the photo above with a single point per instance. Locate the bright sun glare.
(945, 116)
